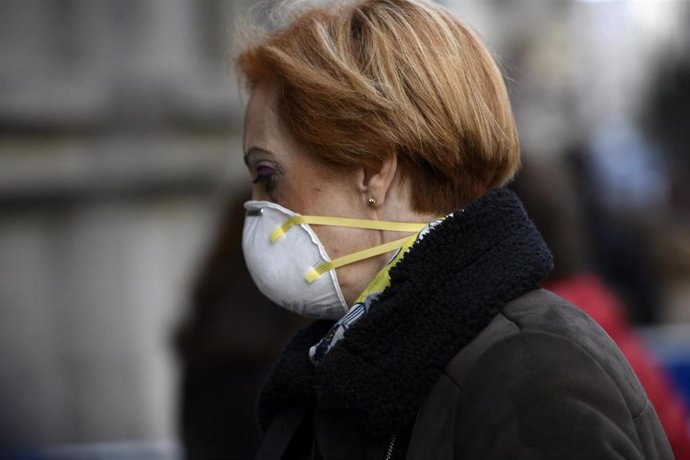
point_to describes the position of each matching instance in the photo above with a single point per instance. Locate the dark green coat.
(463, 357)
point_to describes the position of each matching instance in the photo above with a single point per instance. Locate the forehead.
(261, 121)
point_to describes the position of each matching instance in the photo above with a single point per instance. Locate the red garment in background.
(591, 294)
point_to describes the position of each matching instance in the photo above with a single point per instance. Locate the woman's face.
(284, 172)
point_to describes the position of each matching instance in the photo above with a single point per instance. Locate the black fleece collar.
(443, 293)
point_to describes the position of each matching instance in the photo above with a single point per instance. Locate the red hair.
(371, 78)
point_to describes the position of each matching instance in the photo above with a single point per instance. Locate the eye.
(265, 175)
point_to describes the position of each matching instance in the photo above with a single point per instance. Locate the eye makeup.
(266, 176)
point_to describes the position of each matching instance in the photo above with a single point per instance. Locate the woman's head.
(387, 110)
(361, 81)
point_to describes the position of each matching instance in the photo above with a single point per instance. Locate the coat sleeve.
(539, 395)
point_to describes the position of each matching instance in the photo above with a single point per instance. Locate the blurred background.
(128, 325)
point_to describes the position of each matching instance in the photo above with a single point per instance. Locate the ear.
(376, 183)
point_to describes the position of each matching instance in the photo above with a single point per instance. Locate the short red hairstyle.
(369, 78)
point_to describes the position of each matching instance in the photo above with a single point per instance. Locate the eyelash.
(267, 179)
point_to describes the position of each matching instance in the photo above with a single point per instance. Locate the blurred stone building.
(119, 133)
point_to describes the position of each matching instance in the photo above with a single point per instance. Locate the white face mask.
(289, 264)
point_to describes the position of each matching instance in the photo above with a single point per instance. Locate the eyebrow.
(254, 151)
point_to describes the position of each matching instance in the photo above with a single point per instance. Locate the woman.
(378, 137)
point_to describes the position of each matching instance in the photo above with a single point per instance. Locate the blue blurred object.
(671, 345)
(21, 454)
(680, 372)
(104, 451)
(628, 170)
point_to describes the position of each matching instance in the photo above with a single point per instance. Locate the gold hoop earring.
(371, 201)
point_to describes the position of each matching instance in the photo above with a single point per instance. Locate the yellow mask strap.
(346, 222)
(320, 269)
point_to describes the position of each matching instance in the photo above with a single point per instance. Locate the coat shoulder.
(547, 378)
(542, 312)
(542, 316)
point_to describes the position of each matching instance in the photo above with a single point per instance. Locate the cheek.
(331, 239)
(340, 241)
(299, 195)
